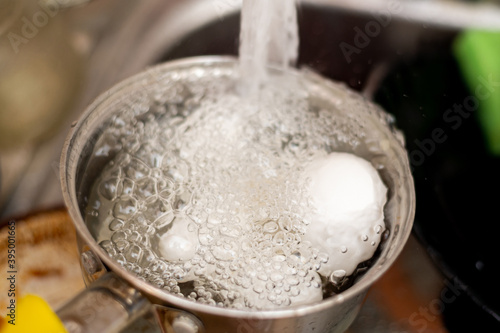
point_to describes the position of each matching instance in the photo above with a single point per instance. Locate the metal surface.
(444, 13)
(107, 305)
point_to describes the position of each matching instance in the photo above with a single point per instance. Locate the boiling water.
(205, 193)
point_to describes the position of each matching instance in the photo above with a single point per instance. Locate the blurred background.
(434, 65)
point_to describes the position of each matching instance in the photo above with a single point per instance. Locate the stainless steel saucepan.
(114, 297)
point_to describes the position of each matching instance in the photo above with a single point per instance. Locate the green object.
(478, 55)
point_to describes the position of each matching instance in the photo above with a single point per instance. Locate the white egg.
(179, 244)
(349, 196)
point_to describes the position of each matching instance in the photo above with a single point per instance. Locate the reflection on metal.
(63, 4)
(454, 14)
(107, 305)
(92, 267)
(174, 321)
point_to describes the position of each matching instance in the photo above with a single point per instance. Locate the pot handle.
(107, 305)
(110, 304)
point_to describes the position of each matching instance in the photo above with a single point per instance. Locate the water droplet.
(145, 188)
(225, 253)
(124, 208)
(262, 276)
(258, 289)
(292, 281)
(109, 188)
(270, 227)
(147, 258)
(127, 186)
(149, 155)
(135, 237)
(157, 209)
(136, 169)
(165, 188)
(323, 257)
(115, 225)
(279, 238)
(133, 254)
(276, 277)
(285, 223)
(108, 246)
(294, 291)
(122, 245)
(164, 220)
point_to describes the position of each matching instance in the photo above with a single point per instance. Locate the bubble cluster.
(205, 194)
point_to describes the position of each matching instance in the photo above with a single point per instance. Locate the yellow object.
(31, 315)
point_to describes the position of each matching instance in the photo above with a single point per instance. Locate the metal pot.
(115, 296)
